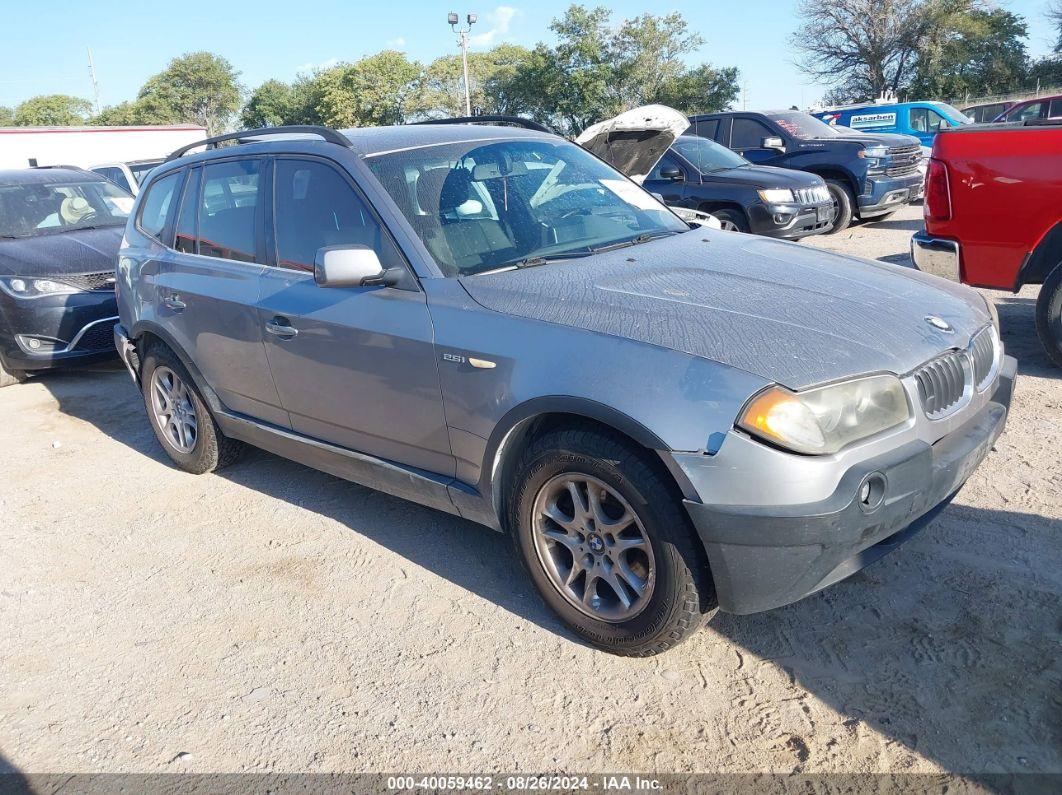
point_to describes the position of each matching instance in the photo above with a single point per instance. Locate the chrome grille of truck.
(942, 383)
(820, 194)
(903, 160)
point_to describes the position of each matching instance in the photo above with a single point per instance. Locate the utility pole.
(462, 42)
(95, 85)
(745, 95)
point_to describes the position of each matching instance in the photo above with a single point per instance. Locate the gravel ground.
(274, 618)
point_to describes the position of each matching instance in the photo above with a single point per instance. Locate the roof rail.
(327, 133)
(515, 121)
(65, 166)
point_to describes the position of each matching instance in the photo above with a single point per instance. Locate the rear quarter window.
(155, 208)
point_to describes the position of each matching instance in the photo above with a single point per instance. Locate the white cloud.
(499, 19)
(312, 68)
(396, 44)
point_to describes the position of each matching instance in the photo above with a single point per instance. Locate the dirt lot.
(273, 618)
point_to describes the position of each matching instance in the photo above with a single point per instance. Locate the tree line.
(922, 49)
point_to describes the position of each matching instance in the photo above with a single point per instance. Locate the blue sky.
(278, 38)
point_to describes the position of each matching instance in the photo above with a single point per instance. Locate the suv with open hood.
(665, 419)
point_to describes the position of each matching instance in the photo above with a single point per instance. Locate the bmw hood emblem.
(939, 323)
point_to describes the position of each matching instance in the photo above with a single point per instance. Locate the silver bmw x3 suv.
(666, 419)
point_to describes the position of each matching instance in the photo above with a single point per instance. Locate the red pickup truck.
(993, 213)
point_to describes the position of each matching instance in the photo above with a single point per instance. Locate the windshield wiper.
(540, 259)
(645, 237)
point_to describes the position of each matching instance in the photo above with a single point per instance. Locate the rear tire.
(11, 377)
(732, 220)
(844, 205)
(1049, 315)
(630, 534)
(180, 418)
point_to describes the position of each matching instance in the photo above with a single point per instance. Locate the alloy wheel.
(171, 402)
(593, 547)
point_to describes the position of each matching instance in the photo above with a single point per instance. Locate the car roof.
(46, 175)
(369, 141)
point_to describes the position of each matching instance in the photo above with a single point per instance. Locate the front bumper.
(885, 194)
(768, 556)
(935, 255)
(790, 221)
(51, 331)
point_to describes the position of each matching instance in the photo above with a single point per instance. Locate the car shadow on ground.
(909, 225)
(1017, 324)
(940, 633)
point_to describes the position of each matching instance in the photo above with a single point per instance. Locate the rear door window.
(317, 207)
(1055, 111)
(1031, 111)
(707, 128)
(155, 209)
(228, 209)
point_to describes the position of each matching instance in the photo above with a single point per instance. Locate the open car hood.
(634, 141)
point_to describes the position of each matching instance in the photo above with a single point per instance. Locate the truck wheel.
(11, 377)
(180, 418)
(732, 220)
(607, 543)
(843, 205)
(1049, 315)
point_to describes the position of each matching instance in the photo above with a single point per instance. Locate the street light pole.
(462, 42)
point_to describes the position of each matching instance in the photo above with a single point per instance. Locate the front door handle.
(173, 302)
(280, 327)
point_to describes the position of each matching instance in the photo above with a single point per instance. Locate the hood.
(790, 314)
(872, 138)
(766, 177)
(61, 253)
(634, 141)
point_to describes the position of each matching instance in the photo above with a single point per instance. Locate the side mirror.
(773, 143)
(672, 174)
(348, 266)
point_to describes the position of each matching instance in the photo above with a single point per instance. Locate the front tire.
(843, 204)
(180, 418)
(1049, 315)
(732, 220)
(606, 543)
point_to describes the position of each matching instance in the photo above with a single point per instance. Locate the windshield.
(31, 209)
(141, 170)
(707, 156)
(953, 113)
(480, 206)
(803, 126)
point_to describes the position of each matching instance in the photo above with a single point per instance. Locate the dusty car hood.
(766, 177)
(59, 253)
(791, 314)
(634, 141)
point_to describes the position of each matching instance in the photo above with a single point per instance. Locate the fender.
(146, 326)
(1042, 258)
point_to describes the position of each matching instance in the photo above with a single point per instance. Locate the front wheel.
(607, 543)
(180, 418)
(11, 377)
(843, 205)
(1049, 315)
(732, 220)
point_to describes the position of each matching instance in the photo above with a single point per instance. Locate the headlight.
(877, 151)
(33, 288)
(824, 420)
(776, 195)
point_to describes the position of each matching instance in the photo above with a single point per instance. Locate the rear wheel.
(11, 377)
(180, 418)
(732, 220)
(1049, 315)
(607, 543)
(843, 206)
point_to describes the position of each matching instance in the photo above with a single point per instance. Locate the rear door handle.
(281, 327)
(173, 302)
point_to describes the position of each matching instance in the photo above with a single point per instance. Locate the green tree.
(1054, 15)
(52, 110)
(979, 53)
(373, 91)
(275, 103)
(197, 88)
(597, 69)
(122, 114)
(441, 92)
(7, 116)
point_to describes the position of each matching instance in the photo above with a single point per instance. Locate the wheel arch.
(515, 431)
(711, 205)
(1044, 258)
(836, 174)
(145, 333)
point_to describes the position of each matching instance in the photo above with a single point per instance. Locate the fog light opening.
(871, 492)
